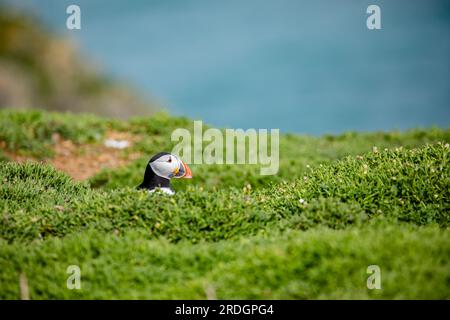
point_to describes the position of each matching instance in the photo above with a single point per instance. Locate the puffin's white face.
(169, 166)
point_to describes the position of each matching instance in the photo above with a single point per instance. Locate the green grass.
(30, 133)
(337, 206)
(319, 263)
(296, 154)
(404, 185)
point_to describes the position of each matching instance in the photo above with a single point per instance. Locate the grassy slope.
(319, 263)
(388, 207)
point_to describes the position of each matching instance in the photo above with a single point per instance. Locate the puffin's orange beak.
(183, 171)
(187, 170)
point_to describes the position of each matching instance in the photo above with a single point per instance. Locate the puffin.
(160, 169)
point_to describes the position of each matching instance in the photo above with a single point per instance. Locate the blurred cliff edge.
(40, 70)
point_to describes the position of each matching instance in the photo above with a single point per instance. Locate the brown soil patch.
(83, 161)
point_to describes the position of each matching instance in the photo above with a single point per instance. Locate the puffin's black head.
(161, 168)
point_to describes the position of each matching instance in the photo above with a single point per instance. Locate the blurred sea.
(301, 66)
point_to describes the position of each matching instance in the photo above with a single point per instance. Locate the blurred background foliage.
(40, 70)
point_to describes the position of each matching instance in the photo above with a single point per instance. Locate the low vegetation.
(339, 204)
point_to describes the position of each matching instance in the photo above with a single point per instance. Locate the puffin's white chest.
(168, 191)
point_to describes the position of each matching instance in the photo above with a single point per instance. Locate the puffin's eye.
(170, 160)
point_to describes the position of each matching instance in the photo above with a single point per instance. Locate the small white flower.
(302, 201)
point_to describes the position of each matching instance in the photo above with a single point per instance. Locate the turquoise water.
(300, 66)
